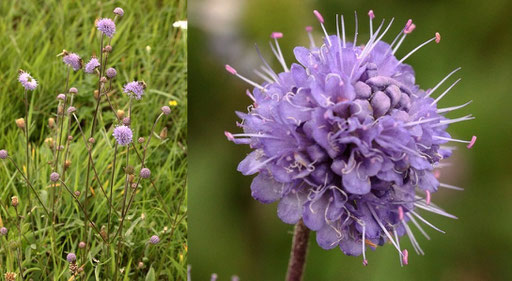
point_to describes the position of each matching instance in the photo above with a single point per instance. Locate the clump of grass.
(80, 190)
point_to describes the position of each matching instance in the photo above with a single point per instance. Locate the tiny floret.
(135, 89)
(71, 257)
(3, 154)
(92, 65)
(107, 26)
(154, 239)
(27, 81)
(123, 135)
(145, 173)
(54, 176)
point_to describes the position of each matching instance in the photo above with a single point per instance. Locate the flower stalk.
(298, 253)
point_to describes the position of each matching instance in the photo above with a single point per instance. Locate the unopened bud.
(51, 123)
(141, 140)
(107, 49)
(67, 164)
(120, 114)
(96, 94)
(77, 193)
(14, 201)
(20, 122)
(163, 133)
(92, 140)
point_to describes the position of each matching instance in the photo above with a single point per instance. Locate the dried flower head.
(166, 110)
(20, 122)
(119, 11)
(346, 141)
(10, 276)
(81, 245)
(27, 81)
(92, 65)
(71, 257)
(77, 193)
(135, 88)
(123, 135)
(3, 154)
(91, 140)
(54, 176)
(163, 133)
(73, 90)
(141, 140)
(107, 49)
(107, 26)
(127, 121)
(3, 230)
(14, 201)
(111, 72)
(154, 239)
(73, 60)
(145, 173)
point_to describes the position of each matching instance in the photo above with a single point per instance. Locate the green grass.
(145, 47)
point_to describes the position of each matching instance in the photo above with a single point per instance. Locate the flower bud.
(51, 123)
(120, 114)
(96, 94)
(107, 49)
(129, 170)
(14, 201)
(3, 154)
(126, 121)
(163, 133)
(67, 163)
(141, 140)
(54, 176)
(81, 245)
(60, 109)
(92, 140)
(145, 173)
(77, 193)
(20, 122)
(103, 79)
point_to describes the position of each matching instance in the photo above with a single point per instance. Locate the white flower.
(180, 24)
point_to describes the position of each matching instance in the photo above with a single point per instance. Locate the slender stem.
(112, 190)
(83, 210)
(298, 253)
(27, 148)
(66, 151)
(30, 185)
(18, 225)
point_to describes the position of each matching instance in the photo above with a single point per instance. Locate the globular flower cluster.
(92, 65)
(135, 88)
(27, 81)
(346, 141)
(73, 60)
(106, 26)
(123, 135)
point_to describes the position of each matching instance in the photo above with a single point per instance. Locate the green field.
(146, 47)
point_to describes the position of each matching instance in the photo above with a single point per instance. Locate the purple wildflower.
(346, 141)
(145, 173)
(71, 257)
(92, 65)
(54, 176)
(73, 60)
(27, 81)
(166, 110)
(61, 97)
(3, 154)
(119, 11)
(111, 72)
(3, 230)
(71, 109)
(81, 245)
(154, 239)
(123, 135)
(136, 88)
(107, 26)
(73, 90)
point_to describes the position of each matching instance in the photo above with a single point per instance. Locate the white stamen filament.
(445, 122)
(452, 108)
(442, 81)
(426, 222)
(398, 242)
(445, 92)
(415, 222)
(339, 43)
(384, 229)
(416, 49)
(355, 33)
(450, 139)
(414, 242)
(449, 186)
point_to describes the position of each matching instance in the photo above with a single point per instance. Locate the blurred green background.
(231, 233)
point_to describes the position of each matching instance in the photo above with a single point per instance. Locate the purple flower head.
(123, 135)
(145, 173)
(81, 245)
(71, 257)
(71, 109)
(135, 88)
(61, 97)
(73, 90)
(3, 154)
(27, 81)
(92, 65)
(119, 11)
(346, 141)
(154, 239)
(54, 176)
(107, 26)
(3, 230)
(111, 72)
(73, 60)
(166, 110)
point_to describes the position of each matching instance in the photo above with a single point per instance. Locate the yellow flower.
(173, 103)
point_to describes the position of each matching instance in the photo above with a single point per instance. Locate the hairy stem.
(298, 253)
(18, 225)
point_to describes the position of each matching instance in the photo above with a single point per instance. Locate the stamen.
(428, 197)
(413, 240)
(442, 81)
(363, 246)
(343, 31)
(309, 29)
(434, 209)
(409, 28)
(426, 222)
(452, 108)
(339, 43)
(250, 95)
(355, 34)
(437, 174)
(383, 228)
(451, 121)
(266, 67)
(277, 51)
(233, 71)
(371, 15)
(438, 37)
(405, 257)
(321, 20)
(417, 48)
(398, 242)
(400, 213)
(472, 142)
(415, 222)
(276, 35)
(449, 186)
(445, 92)
(229, 136)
